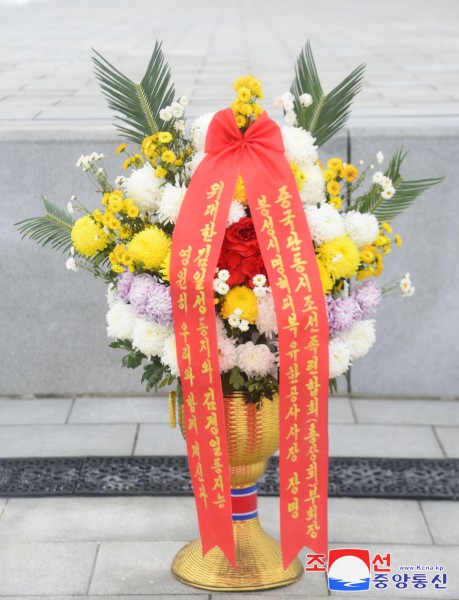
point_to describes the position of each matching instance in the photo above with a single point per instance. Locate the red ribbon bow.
(288, 253)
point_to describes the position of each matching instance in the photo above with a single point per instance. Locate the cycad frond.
(406, 192)
(137, 104)
(53, 228)
(327, 114)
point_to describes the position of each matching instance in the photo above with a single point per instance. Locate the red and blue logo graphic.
(348, 569)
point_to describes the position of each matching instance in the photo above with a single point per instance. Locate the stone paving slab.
(443, 520)
(98, 518)
(390, 441)
(159, 438)
(370, 520)
(449, 439)
(120, 410)
(340, 411)
(208, 44)
(45, 568)
(135, 568)
(351, 520)
(407, 412)
(66, 440)
(34, 411)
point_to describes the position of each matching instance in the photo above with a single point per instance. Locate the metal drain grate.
(169, 476)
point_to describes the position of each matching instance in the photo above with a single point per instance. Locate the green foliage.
(257, 388)
(406, 192)
(54, 228)
(327, 114)
(138, 104)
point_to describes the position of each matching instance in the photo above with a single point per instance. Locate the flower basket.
(241, 268)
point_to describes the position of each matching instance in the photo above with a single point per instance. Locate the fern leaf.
(327, 114)
(54, 228)
(137, 104)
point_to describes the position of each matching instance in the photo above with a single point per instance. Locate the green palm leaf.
(406, 192)
(137, 104)
(327, 114)
(53, 228)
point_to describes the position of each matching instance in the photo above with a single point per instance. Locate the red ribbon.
(288, 253)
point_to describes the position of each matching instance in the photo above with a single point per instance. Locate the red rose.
(240, 253)
(232, 262)
(240, 237)
(251, 266)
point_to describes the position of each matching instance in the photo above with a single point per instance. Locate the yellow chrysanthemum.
(160, 172)
(325, 277)
(149, 247)
(168, 156)
(329, 174)
(333, 188)
(121, 148)
(164, 137)
(300, 176)
(244, 94)
(241, 121)
(340, 256)
(349, 173)
(368, 254)
(239, 192)
(335, 164)
(88, 237)
(385, 225)
(398, 240)
(135, 160)
(336, 202)
(243, 298)
(132, 212)
(115, 203)
(257, 110)
(98, 216)
(124, 232)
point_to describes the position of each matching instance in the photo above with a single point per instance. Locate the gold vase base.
(258, 563)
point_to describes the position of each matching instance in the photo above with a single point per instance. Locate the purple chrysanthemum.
(342, 314)
(140, 292)
(159, 304)
(368, 297)
(124, 285)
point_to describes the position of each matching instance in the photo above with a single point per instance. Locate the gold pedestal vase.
(253, 436)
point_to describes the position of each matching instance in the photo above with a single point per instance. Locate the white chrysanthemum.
(255, 359)
(266, 317)
(194, 162)
(339, 355)
(170, 203)
(388, 193)
(362, 227)
(149, 336)
(306, 100)
(227, 354)
(236, 212)
(379, 157)
(378, 176)
(120, 320)
(299, 146)
(144, 188)
(112, 294)
(360, 338)
(199, 130)
(169, 355)
(313, 191)
(325, 223)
